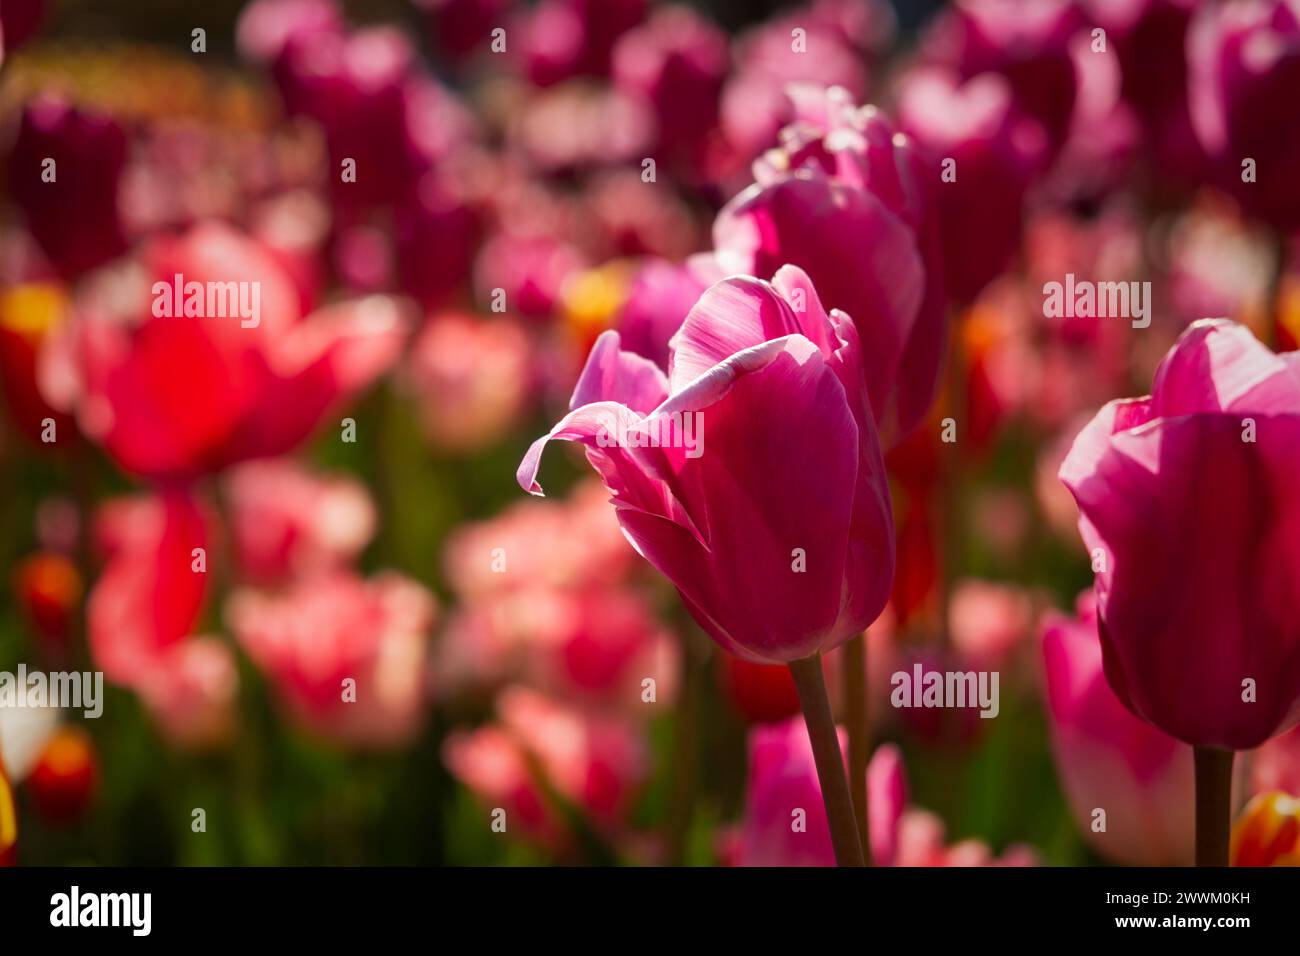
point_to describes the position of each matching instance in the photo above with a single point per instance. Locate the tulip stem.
(855, 715)
(811, 685)
(1213, 804)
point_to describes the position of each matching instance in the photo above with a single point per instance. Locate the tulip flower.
(1268, 832)
(777, 563)
(29, 316)
(849, 201)
(346, 655)
(49, 588)
(190, 692)
(1197, 618)
(462, 28)
(64, 172)
(1276, 765)
(1110, 760)
(1025, 41)
(1245, 63)
(175, 396)
(65, 779)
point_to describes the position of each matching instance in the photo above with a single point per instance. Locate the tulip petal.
(613, 375)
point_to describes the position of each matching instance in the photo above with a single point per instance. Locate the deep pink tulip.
(1109, 760)
(265, 26)
(849, 201)
(997, 151)
(1245, 70)
(1276, 765)
(1025, 41)
(75, 217)
(678, 61)
(529, 269)
(313, 638)
(190, 691)
(776, 562)
(462, 28)
(286, 522)
(785, 821)
(660, 295)
(176, 397)
(1199, 616)
(19, 21)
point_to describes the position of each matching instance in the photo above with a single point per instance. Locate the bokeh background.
(500, 644)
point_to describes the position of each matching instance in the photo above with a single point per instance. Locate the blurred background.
(328, 617)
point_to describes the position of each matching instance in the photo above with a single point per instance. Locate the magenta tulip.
(750, 475)
(1245, 78)
(849, 201)
(1108, 759)
(1188, 507)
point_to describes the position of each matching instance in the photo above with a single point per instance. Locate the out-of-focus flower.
(19, 21)
(762, 693)
(265, 26)
(1245, 63)
(65, 779)
(776, 564)
(434, 237)
(678, 61)
(173, 396)
(590, 646)
(347, 656)
(472, 377)
(554, 543)
(658, 298)
(1210, 657)
(785, 819)
(848, 200)
(994, 151)
(1109, 760)
(24, 732)
(287, 523)
(542, 750)
(988, 620)
(48, 588)
(529, 270)
(190, 691)
(1276, 765)
(29, 314)
(1268, 832)
(8, 820)
(1219, 265)
(1025, 41)
(461, 28)
(64, 171)
(558, 39)
(154, 583)
(577, 126)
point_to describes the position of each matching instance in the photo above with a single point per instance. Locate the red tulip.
(777, 563)
(48, 587)
(174, 397)
(30, 314)
(1200, 626)
(1268, 832)
(64, 781)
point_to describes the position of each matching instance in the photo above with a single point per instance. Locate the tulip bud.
(64, 781)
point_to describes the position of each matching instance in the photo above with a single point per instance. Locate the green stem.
(811, 685)
(1213, 804)
(855, 715)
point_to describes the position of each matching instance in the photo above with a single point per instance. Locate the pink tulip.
(595, 764)
(1276, 765)
(463, 28)
(347, 656)
(286, 522)
(850, 202)
(785, 823)
(660, 295)
(529, 271)
(996, 151)
(265, 26)
(74, 216)
(1245, 66)
(678, 61)
(1111, 761)
(191, 691)
(1198, 618)
(472, 377)
(174, 397)
(777, 563)
(1025, 41)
